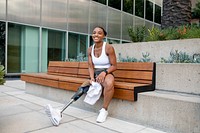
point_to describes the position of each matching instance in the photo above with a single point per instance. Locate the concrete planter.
(158, 49)
(175, 77)
(178, 77)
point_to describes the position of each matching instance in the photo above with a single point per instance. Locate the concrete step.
(166, 111)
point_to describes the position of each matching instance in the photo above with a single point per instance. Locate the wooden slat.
(147, 66)
(69, 85)
(133, 80)
(40, 81)
(124, 94)
(83, 65)
(128, 86)
(70, 75)
(133, 74)
(63, 64)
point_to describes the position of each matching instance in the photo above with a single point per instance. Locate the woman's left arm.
(110, 51)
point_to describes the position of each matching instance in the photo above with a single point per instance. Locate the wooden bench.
(131, 78)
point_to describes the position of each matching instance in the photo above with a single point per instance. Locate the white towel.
(93, 93)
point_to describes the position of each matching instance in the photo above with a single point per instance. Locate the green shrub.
(145, 58)
(172, 33)
(196, 10)
(2, 73)
(137, 34)
(180, 57)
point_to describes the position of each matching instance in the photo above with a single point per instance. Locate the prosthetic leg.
(76, 96)
(56, 115)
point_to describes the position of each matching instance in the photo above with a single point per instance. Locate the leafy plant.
(196, 10)
(80, 57)
(172, 33)
(137, 34)
(2, 73)
(180, 57)
(145, 57)
(132, 59)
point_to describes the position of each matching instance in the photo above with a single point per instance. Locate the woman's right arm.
(90, 65)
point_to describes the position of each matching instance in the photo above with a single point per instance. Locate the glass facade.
(139, 8)
(149, 10)
(77, 44)
(2, 43)
(115, 4)
(23, 49)
(35, 32)
(128, 6)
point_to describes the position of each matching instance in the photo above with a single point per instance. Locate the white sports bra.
(102, 61)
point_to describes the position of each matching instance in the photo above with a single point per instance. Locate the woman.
(102, 62)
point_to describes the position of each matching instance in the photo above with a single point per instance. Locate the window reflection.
(128, 6)
(149, 10)
(139, 8)
(2, 43)
(115, 4)
(23, 49)
(56, 45)
(77, 44)
(101, 1)
(113, 41)
(157, 14)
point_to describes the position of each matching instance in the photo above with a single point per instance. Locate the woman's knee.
(109, 83)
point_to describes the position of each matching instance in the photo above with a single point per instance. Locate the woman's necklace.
(97, 51)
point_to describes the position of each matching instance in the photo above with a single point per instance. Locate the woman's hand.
(92, 79)
(100, 78)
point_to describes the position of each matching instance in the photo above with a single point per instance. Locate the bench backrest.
(132, 72)
(83, 70)
(63, 68)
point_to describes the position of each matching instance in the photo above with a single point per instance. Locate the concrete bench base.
(165, 111)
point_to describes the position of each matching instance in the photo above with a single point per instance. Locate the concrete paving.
(24, 113)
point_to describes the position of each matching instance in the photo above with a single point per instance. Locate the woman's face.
(98, 35)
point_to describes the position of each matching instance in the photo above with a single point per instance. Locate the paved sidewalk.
(24, 113)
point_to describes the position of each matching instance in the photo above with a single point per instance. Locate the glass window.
(115, 4)
(149, 10)
(53, 47)
(77, 44)
(23, 49)
(128, 6)
(101, 1)
(125, 42)
(157, 18)
(2, 43)
(56, 45)
(113, 41)
(139, 8)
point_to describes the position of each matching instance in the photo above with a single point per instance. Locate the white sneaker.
(53, 114)
(102, 115)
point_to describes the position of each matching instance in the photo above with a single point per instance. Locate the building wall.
(68, 20)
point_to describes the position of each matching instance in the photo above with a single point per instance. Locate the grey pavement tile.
(8, 110)
(77, 126)
(2, 94)
(15, 84)
(78, 113)
(33, 106)
(14, 93)
(4, 88)
(118, 125)
(150, 130)
(10, 101)
(25, 122)
(38, 100)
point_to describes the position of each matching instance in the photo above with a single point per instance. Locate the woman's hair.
(104, 31)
